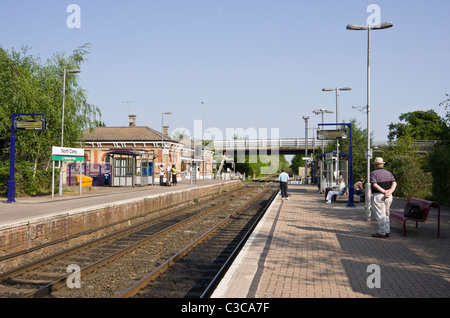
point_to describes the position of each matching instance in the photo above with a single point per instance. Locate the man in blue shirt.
(283, 178)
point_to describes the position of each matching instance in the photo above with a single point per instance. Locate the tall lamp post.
(355, 27)
(306, 118)
(322, 111)
(72, 71)
(337, 121)
(162, 137)
(337, 97)
(317, 112)
(203, 136)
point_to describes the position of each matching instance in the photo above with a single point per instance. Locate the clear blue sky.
(254, 63)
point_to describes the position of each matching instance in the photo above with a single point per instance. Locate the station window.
(123, 167)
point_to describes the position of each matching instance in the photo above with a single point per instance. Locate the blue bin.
(107, 179)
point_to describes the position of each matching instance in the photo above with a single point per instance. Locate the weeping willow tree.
(28, 85)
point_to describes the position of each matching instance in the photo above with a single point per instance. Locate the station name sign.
(67, 154)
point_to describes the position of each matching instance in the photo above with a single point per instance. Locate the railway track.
(107, 267)
(195, 271)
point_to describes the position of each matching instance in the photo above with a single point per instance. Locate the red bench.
(425, 206)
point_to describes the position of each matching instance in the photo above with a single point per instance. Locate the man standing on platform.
(161, 175)
(283, 178)
(383, 185)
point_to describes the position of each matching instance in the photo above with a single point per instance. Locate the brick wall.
(43, 236)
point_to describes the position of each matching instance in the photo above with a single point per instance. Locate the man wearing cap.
(383, 185)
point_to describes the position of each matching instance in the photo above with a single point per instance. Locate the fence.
(101, 174)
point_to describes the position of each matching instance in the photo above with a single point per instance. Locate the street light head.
(168, 113)
(357, 27)
(384, 25)
(305, 117)
(319, 111)
(75, 70)
(328, 89)
(345, 89)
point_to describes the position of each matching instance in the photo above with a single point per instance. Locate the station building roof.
(141, 133)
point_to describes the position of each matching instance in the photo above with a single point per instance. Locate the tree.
(422, 176)
(439, 161)
(254, 165)
(420, 125)
(297, 162)
(29, 86)
(413, 180)
(180, 134)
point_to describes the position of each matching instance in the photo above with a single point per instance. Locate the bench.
(425, 207)
(361, 196)
(340, 194)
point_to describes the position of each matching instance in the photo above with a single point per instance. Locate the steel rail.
(134, 289)
(61, 282)
(216, 280)
(33, 265)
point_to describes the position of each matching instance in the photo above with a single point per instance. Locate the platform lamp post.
(337, 121)
(162, 137)
(306, 118)
(72, 71)
(355, 27)
(337, 97)
(203, 136)
(322, 111)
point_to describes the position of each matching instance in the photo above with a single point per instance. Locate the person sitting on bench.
(337, 191)
(359, 189)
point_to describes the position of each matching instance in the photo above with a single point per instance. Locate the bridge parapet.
(282, 145)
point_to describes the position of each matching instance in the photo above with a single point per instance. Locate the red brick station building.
(132, 155)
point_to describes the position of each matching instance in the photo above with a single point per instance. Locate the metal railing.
(264, 143)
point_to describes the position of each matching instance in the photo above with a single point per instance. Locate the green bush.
(28, 183)
(440, 168)
(412, 180)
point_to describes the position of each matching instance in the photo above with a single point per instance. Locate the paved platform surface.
(305, 248)
(35, 207)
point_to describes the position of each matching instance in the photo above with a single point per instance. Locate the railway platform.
(29, 208)
(305, 248)
(35, 226)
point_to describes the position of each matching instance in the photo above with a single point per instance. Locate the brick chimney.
(132, 120)
(166, 130)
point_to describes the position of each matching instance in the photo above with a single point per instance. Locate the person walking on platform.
(284, 179)
(174, 175)
(383, 185)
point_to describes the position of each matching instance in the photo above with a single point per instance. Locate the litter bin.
(107, 179)
(85, 181)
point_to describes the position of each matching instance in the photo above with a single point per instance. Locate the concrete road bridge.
(282, 146)
(291, 146)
